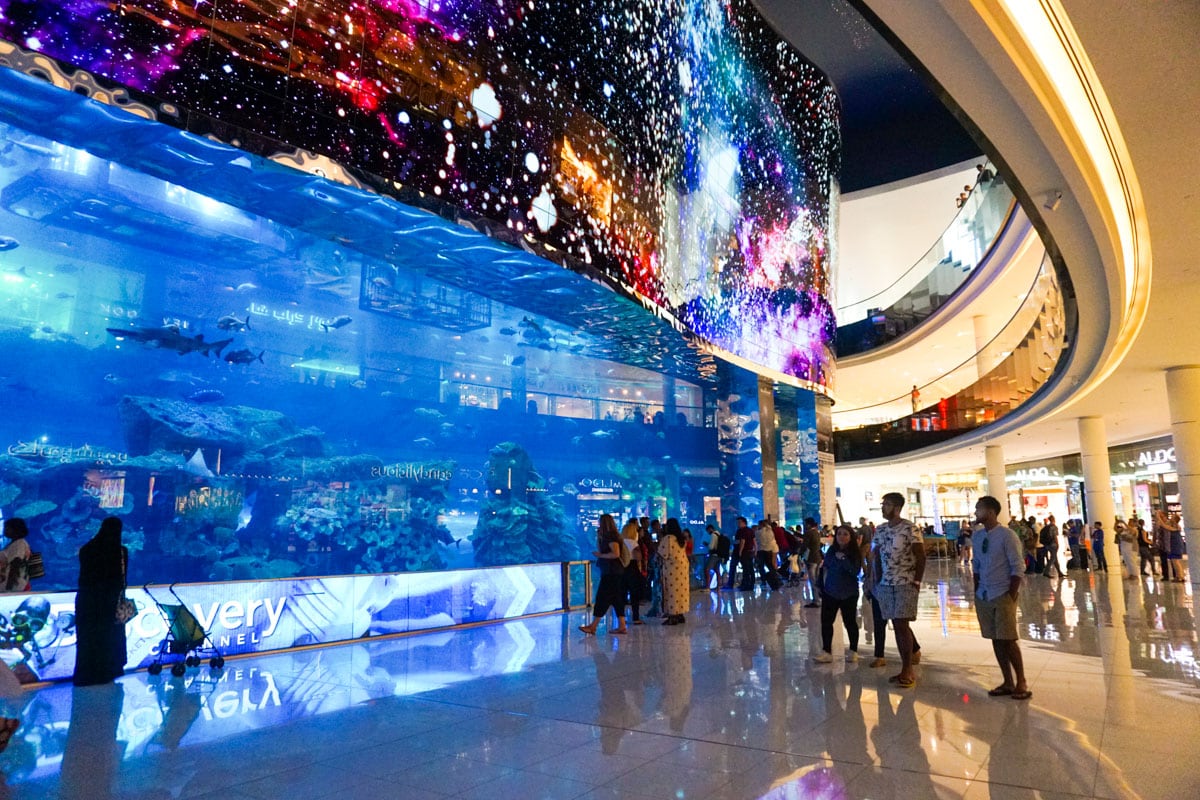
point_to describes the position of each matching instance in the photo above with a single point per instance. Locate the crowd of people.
(1136, 549)
(882, 564)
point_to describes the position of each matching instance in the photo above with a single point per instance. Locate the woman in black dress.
(100, 638)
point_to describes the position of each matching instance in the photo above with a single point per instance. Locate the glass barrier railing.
(1011, 368)
(925, 286)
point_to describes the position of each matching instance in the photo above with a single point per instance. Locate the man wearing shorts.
(998, 568)
(898, 559)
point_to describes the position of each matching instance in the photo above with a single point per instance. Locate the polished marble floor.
(729, 705)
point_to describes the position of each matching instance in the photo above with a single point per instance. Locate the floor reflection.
(729, 705)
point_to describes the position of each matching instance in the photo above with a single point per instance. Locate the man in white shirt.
(998, 568)
(767, 553)
(898, 561)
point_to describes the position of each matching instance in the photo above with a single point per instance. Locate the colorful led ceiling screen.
(676, 149)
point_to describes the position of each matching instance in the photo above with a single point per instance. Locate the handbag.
(126, 610)
(35, 568)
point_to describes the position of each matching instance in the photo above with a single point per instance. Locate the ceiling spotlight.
(1053, 201)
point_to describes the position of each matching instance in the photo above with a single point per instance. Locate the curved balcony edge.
(886, 333)
(1004, 398)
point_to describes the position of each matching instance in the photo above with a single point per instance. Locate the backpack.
(724, 546)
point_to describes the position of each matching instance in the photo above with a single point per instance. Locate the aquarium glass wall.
(676, 150)
(225, 385)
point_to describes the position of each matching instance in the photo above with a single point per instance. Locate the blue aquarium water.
(255, 401)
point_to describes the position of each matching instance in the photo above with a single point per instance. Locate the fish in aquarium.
(508, 331)
(197, 466)
(245, 356)
(230, 322)
(337, 322)
(245, 287)
(170, 338)
(8, 243)
(176, 376)
(206, 396)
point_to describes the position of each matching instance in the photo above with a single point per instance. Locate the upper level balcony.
(914, 296)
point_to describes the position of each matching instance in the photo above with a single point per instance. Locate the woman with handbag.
(100, 633)
(14, 559)
(611, 566)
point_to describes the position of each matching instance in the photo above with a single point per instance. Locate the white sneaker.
(823, 658)
(851, 657)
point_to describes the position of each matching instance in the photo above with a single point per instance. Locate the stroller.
(185, 637)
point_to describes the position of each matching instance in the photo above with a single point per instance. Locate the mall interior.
(359, 315)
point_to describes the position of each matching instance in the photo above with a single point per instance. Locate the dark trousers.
(631, 588)
(764, 563)
(733, 565)
(1101, 561)
(881, 629)
(1164, 558)
(747, 572)
(609, 595)
(830, 606)
(1052, 561)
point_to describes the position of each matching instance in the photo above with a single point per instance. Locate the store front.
(1145, 478)
(947, 500)
(1044, 487)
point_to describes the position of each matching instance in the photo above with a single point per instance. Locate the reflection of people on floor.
(677, 679)
(616, 714)
(100, 640)
(93, 754)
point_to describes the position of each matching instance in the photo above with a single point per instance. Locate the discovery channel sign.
(38, 629)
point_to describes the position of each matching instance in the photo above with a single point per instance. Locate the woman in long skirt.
(100, 638)
(672, 550)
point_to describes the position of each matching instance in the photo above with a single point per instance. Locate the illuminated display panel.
(679, 150)
(37, 630)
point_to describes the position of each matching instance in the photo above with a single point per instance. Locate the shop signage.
(1032, 474)
(1151, 458)
(66, 454)
(413, 472)
(601, 484)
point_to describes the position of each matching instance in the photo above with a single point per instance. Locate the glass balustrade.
(925, 286)
(1010, 368)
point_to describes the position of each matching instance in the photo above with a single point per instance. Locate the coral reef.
(519, 523)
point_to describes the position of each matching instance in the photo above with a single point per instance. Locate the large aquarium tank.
(492, 311)
(229, 388)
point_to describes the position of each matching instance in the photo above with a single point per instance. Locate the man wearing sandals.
(998, 568)
(898, 559)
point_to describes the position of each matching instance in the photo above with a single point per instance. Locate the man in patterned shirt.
(898, 558)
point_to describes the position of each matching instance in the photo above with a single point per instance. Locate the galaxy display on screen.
(676, 149)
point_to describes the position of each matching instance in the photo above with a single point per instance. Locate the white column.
(982, 363)
(997, 483)
(1183, 401)
(1097, 477)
